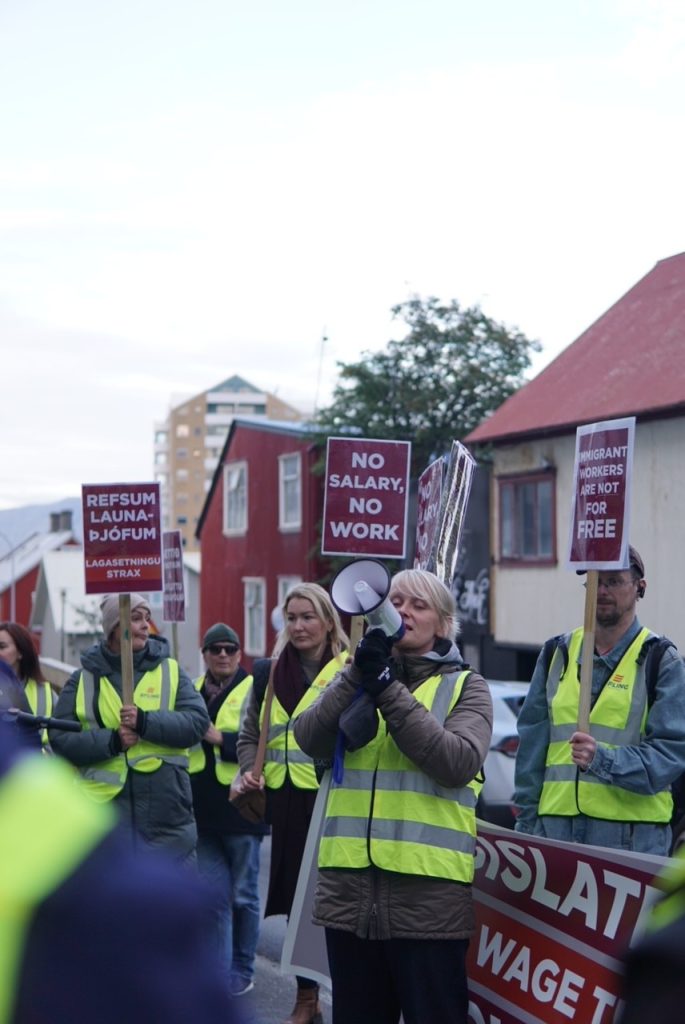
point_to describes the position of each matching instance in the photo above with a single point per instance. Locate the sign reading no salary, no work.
(366, 496)
(122, 538)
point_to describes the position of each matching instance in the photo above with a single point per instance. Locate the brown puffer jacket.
(371, 902)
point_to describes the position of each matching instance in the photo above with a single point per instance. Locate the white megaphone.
(361, 588)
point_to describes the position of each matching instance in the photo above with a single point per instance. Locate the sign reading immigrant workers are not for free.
(122, 538)
(366, 497)
(602, 477)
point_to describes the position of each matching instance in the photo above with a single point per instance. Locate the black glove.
(372, 658)
(374, 648)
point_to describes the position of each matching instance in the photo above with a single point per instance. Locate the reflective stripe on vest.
(155, 691)
(617, 719)
(282, 752)
(38, 801)
(389, 813)
(39, 696)
(196, 755)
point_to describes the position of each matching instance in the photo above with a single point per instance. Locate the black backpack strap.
(260, 678)
(550, 646)
(651, 652)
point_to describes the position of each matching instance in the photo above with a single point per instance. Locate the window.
(290, 492)
(285, 583)
(527, 514)
(254, 600)
(182, 430)
(235, 497)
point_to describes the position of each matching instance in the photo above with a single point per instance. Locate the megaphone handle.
(356, 632)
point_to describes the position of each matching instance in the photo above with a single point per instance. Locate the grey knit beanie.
(109, 609)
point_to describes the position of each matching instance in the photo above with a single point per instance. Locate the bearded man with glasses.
(612, 785)
(228, 845)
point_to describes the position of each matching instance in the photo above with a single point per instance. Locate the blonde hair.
(427, 587)
(325, 611)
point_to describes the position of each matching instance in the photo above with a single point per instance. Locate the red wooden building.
(258, 530)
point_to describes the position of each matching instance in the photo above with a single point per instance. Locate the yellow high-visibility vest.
(389, 813)
(40, 698)
(156, 690)
(229, 719)
(283, 755)
(617, 719)
(48, 828)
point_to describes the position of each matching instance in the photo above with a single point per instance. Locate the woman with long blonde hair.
(310, 650)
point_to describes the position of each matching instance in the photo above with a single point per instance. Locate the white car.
(496, 798)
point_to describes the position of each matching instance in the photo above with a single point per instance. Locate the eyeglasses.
(612, 582)
(223, 648)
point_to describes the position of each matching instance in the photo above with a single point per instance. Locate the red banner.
(122, 538)
(553, 923)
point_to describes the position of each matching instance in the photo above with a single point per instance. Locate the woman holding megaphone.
(396, 857)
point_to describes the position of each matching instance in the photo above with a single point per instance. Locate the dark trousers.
(376, 981)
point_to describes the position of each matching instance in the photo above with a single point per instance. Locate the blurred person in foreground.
(611, 786)
(309, 651)
(653, 986)
(91, 929)
(18, 650)
(228, 845)
(396, 857)
(136, 755)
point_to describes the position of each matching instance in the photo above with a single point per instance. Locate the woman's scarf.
(290, 680)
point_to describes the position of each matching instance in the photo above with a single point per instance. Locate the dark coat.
(158, 806)
(214, 812)
(379, 904)
(288, 809)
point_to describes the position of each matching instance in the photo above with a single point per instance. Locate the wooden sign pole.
(586, 661)
(126, 648)
(356, 632)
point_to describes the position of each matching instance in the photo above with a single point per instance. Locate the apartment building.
(189, 442)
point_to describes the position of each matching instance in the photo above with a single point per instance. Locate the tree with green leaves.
(453, 367)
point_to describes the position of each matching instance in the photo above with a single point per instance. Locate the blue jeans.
(230, 864)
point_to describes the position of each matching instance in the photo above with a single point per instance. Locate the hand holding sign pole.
(600, 523)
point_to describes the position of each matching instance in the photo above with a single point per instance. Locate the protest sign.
(599, 532)
(174, 602)
(122, 538)
(428, 514)
(365, 497)
(455, 498)
(600, 510)
(553, 922)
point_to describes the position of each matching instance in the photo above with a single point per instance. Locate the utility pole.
(63, 596)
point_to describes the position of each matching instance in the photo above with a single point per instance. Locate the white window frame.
(254, 615)
(236, 525)
(284, 585)
(289, 477)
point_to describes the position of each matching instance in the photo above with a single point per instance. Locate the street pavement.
(273, 995)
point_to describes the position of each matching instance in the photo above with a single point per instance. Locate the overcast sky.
(192, 190)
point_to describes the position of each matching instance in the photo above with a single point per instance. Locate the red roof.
(630, 362)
